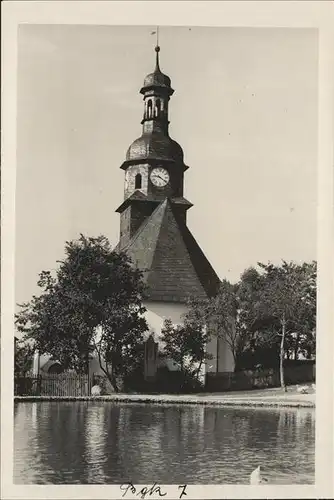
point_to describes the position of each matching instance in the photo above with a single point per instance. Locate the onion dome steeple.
(155, 143)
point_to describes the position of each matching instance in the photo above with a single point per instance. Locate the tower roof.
(157, 78)
(156, 146)
(155, 143)
(175, 268)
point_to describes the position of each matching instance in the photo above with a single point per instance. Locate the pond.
(108, 443)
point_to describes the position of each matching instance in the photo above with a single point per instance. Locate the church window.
(138, 181)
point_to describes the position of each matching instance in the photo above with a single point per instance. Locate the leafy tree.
(224, 315)
(303, 338)
(92, 306)
(23, 358)
(185, 344)
(220, 314)
(285, 294)
(247, 315)
(261, 330)
(257, 346)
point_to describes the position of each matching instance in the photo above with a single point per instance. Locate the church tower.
(153, 214)
(154, 166)
(153, 230)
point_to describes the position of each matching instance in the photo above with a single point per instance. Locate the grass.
(268, 392)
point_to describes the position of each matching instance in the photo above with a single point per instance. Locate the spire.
(157, 80)
(156, 91)
(157, 50)
(157, 67)
(155, 142)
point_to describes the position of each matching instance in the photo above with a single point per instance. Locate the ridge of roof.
(143, 226)
(206, 273)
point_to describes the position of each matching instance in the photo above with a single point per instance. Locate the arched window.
(149, 109)
(157, 107)
(138, 181)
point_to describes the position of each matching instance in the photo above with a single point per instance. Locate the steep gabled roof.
(175, 268)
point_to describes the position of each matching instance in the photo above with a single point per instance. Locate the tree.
(286, 293)
(247, 315)
(303, 339)
(23, 358)
(224, 314)
(93, 305)
(221, 315)
(260, 329)
(257, 345)
(185, 344)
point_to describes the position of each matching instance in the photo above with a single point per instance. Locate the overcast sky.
(244, 111)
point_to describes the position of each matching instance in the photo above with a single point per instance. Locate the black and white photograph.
(166, 299)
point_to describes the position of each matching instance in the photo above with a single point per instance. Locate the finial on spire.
(157, 50)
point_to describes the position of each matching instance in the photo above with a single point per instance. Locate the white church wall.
(211, 348)
(157, 312)
(225, 357)
(155, 315)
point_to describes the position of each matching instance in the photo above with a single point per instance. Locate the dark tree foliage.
(278, 313)
(269, 315)
(93, 305)
(23, 358)
(186, 345)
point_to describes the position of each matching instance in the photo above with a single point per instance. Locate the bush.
(177, 382)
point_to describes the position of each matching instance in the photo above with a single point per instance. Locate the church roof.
(175, 268)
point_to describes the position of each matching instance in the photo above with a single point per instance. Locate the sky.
(244, 111)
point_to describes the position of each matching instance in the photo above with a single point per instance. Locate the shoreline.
(291, 401)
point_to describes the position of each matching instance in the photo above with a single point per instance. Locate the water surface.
(107, 443)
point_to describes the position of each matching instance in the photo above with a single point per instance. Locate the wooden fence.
(62, 384)
(74, 385)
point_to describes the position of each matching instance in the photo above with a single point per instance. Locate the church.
(153, 220)
(153, 224)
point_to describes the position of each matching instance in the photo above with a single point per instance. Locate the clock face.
(159, 177)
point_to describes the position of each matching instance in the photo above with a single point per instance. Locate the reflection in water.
(105, 443)
(94, 434)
